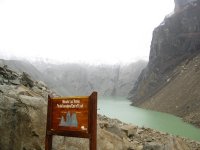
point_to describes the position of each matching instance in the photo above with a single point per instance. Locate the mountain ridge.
(80, 79)
(76, 79)
(175, 43)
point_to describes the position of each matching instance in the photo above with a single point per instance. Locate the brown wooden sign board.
(72, 117)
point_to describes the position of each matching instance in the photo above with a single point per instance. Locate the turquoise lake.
(119, 108)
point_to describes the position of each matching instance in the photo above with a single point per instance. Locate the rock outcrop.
(136, 138)
(175, 43)
(24, 66)
(180, 4)
(22, 111)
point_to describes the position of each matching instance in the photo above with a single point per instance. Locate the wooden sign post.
(72, 117)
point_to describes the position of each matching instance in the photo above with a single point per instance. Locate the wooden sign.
(70, 114)
(72, 117)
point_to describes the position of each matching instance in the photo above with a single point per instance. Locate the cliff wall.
(175, 44)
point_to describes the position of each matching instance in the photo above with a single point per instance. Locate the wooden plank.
(93, 116)
(48, 138)
(48, 142)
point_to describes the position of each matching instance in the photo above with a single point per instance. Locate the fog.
(106, 31)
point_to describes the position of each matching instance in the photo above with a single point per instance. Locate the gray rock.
(41, 85)
(37, 90)
(180, 4)
(103, 124)
(5, 81)
(131, 148)
(140, 147)
(18, 121)
(139, 131)
(115, 130)
(153, 146)
(26, 80)
(1, 80)
(15, 82)
(129, 130)
(149, 139)
(34, 102)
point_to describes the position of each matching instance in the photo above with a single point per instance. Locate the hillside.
(180, 95)
(23, 109)
(22, 66)
(80, 79)
(170, 82)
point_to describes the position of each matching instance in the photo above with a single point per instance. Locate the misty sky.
(103, 31)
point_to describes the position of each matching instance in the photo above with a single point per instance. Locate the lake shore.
(145, 138)
(120, 108)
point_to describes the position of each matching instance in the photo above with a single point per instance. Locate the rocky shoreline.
(193, 118)
(137, 138)
(171, 99)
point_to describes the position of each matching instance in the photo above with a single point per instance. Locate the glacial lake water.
(119, 108)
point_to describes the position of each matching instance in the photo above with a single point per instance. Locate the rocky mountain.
(23, 109)
(171, 81)
(23, 66)
(81, 79)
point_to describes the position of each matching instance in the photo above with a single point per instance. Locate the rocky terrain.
(180, 94)
(23, 66)
(170, 82)
(23, 107)
(22, 111)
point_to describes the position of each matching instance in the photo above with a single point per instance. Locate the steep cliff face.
(180, 4)
(176, 41)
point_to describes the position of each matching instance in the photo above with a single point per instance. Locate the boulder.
(153, 146)
(129, 130)
(41, 85)
(22, 123)
(1, 80)
(15, 82)
(116, 130)
(5, 81)
(26, 80)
